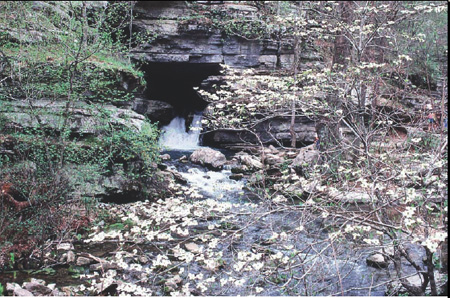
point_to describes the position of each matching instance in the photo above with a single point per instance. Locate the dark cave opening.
(174, 83)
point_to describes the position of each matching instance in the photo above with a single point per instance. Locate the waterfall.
(175, 135)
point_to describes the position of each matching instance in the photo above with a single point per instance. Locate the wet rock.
(209, 157)
(239, 169)
(377, 261)
(177, 176)
(162, 166)
(37, 289)
(237, 177)
(82, 261)
(165, 157)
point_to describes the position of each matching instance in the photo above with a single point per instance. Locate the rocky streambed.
(213, 236)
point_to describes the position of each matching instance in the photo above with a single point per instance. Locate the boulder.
(377, 261)
(208, 157)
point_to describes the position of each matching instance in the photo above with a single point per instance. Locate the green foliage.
(60, 60)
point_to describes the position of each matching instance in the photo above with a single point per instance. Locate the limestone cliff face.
(184, 40)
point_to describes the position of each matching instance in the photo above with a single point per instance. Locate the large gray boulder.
(208, 157)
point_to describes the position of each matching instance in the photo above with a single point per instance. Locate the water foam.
(176, 137)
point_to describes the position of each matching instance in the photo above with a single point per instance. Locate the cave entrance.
(174, 83)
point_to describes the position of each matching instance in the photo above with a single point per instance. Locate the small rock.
(377, 261)
(10, 287)
(37, 289)
(39, 281)
(192, 247)
(389, 251)
(67, 291)
(174, 281)
(51, 286)
(70, 257)
(164, 157)
(162, 167)
(272, 159)
(251, 162)
(82, 261)
(212, 265)
(64, 246)
(239, 169)
(182, 158)
(291, 154)
(143, 259)
(236, 177)
(21, 292)
(104, 266)
(63, 258)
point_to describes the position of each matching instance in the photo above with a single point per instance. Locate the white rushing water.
(175, 135)
(214, 184)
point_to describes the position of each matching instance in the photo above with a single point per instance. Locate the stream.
(214, 237)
